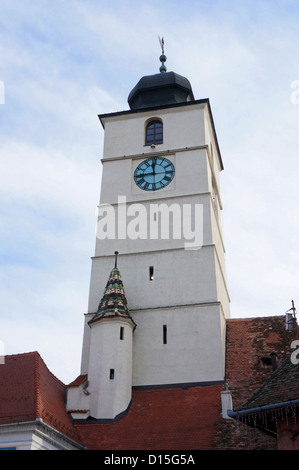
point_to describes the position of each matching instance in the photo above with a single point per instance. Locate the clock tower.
(160, 210)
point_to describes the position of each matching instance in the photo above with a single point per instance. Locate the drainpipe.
(260, 409)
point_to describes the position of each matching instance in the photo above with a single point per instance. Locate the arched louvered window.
(154, 133)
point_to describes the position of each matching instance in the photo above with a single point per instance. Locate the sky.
(63, 62)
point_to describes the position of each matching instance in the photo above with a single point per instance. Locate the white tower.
(106, 390)
(160, 209)
(110, 364)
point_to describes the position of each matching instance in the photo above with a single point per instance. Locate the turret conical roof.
(113, 302)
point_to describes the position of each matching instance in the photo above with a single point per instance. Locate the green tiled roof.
(113, 302)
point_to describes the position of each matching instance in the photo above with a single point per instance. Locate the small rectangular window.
(121, 333)
(266, 361)
(111, 376)
(151, 273)
(164, 334)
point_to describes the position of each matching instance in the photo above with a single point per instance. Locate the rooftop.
(182, 417)
(28, 391)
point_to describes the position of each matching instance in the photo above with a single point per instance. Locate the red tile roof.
(78, 381)
(281, 387)
(248, 341)
(275, 405)
(30, 391)
(169, 419)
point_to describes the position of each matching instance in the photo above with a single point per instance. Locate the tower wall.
(192, 352)
(183, 127)
(110, 367)
(187, 294)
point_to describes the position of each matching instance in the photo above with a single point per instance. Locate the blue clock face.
(154, 173)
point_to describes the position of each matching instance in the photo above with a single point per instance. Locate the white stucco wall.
(183, 127)
(180, 277)
(194, 351)
(189, 291)
(110, 396)
(190, 176)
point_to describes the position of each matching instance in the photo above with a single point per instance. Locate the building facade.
(163, 364)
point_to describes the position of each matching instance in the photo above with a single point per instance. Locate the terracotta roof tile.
(78, 381)
(28, 390)
(170, 418)
(113, 302)
(282, 386)
(248, 341)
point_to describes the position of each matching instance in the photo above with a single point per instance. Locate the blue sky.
(63, 63)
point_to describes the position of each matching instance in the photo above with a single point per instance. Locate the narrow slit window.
(164, 334)
(121, 333)
(111, 375)
(151, 273)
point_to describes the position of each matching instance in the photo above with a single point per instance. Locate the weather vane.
(163, 57)
(161, 41)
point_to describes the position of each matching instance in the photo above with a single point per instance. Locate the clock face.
(154, 173)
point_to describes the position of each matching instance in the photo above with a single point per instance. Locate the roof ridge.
(81, 378)
(51, 373)
(35, 354)
(37, 407)
(32, 353)
(256, 317)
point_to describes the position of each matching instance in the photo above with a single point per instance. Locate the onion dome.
(164, 88)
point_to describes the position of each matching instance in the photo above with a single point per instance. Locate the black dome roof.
(163, 88)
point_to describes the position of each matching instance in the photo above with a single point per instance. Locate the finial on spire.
(163, 57)
(116, 253)
(161, 41)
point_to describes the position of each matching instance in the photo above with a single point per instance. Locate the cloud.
(47, 238)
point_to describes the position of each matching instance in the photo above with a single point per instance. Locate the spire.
(116, 253)
(113, 302)
(163, 57)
